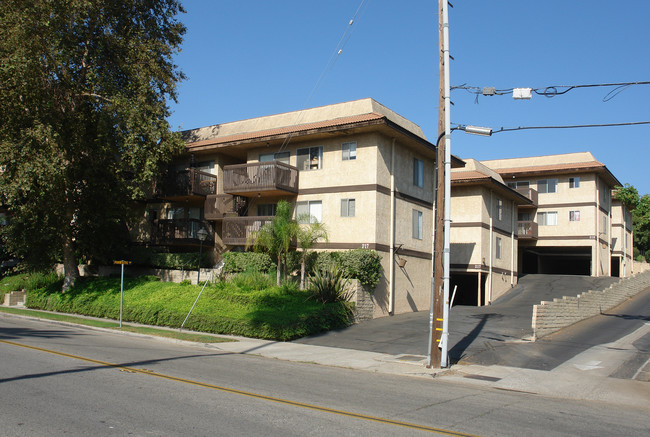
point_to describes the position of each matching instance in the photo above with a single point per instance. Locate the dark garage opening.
(467, 291)
(556, 260)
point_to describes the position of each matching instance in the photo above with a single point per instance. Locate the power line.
(345, 37)
(549, 91)
(575, 126)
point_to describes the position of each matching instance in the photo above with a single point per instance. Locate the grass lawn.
(249, 305)
(187, 336)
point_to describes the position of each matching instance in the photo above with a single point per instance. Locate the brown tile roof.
(593, 165)
(288, 129)
(458, 176)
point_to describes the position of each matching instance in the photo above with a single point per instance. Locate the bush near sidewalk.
(274, 313)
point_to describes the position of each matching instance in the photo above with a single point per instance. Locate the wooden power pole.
(438, 296)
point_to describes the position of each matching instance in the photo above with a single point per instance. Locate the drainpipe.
(391, 264)
(512, 247)
(490, 211)
(597, 217)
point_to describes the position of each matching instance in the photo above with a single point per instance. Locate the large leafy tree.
(84, 86)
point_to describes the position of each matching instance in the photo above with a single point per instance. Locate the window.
(418, 173)
(604, 230)
(266, 209)
(309, 212)
(310, 158)
(547, 218)
(278, 156)
(523, 216)
(547, 186)
(347, 207)
(349, 151)
(498, 248)
(519, 184)
(574, 216)
(417, 224)
(499, 209)
(574, 182)
(206, 166)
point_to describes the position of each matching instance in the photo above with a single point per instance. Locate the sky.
(251, 58)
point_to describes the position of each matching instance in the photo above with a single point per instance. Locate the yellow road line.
(248, 394)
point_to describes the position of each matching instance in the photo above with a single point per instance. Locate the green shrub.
(238, 262)
(325, 260)
(363, 265)
(253, 280)
(180, 261)
(329, 286)
(275, 313)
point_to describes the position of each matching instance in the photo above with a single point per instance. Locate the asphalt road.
(68, 380)
(472, 330)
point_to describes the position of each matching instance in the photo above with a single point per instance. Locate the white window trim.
(347, 202)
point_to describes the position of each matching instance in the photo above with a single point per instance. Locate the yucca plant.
(330, 285)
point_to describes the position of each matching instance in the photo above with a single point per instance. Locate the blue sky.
(250, 58)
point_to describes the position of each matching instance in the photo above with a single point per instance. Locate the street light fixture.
(202, 234)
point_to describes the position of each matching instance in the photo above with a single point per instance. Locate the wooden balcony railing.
(180, 232)
(260, 178)
(236, 231)
(527, 229)
(189, 182)
(218, 206)
(530, 193)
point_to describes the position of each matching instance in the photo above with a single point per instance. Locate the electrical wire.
(345, 37)
(551, 91)
(509, 129)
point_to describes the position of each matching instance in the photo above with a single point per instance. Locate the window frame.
(273, 207)
(300, 158)
(283, 157)
(418, 172)
(417, 224)
(545, 182)
(308, 204)
(345, 207)
(546, 214)
(351, 151)
(574, 182)
(498, 248)
(574, 216)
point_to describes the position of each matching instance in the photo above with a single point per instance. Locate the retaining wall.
(165, 275)
(549, 317)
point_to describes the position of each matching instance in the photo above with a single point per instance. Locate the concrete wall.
(549, 317)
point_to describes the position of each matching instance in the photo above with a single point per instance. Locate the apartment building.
(358, 167)
(573, 225)
(484, 234)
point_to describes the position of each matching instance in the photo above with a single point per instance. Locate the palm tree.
(276, 237)
(308, 236)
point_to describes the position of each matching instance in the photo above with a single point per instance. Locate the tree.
(308, 236)
(640, 206)
(84, 86)
(276, 237)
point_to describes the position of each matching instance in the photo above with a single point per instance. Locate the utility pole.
(436, 322)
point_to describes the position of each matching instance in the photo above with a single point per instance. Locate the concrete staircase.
(551, 316)
(15, 298)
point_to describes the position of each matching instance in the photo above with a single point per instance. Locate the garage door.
(556, 260)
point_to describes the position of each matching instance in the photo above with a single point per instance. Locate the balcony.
(218, 206)
(260, 178)
(180, 232)
(527, 230)
(530, 194)
(181, 184)
(236, 231)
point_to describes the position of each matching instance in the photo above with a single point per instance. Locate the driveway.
(472, 330)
